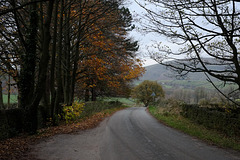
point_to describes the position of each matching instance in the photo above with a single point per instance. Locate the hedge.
(10, 123)
(11, 120)
(225, 121)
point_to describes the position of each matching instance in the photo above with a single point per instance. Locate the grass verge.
(193, 129)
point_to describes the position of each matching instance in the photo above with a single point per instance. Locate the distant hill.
(169, 79)
(184, 88)
(158, 72)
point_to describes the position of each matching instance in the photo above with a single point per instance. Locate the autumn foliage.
(57, 51)
(109, 62)
(73, 112)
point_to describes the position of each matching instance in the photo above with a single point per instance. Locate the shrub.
(227, 122)
(203, 101)
(73, 112)
(170, 107)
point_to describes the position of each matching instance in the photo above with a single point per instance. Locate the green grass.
(125, 101)
(99, 106)
(193, 129)
(13, 99)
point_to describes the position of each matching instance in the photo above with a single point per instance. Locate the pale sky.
(144, 39)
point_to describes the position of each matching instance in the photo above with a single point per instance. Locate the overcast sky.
(144, 39)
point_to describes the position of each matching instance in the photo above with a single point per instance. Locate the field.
(125, 101)
(185, 84)
(188, 84)
(13, 99)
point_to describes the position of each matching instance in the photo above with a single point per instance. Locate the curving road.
(130, 134)
(134, 134)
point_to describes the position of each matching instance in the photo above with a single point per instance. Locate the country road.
(130, 134)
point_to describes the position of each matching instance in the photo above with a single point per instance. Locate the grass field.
(13, 99)
(126, 101)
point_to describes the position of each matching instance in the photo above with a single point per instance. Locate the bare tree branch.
(5, 11)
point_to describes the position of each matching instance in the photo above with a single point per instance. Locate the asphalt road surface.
(130, 134)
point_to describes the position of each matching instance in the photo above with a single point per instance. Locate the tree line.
(201, 95)
(53, 49)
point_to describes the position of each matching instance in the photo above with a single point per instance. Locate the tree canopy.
(50, 48)
(147, 92)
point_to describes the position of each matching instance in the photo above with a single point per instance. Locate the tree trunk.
(45, 101)
(77, 53)
(30, 98)
(27, 74)
(59, 91)
(9, 91)
(1, 96)
(94, 96)
(73, 79)
(28, 65)
(53, 61)
(67, 55)
(87, 95)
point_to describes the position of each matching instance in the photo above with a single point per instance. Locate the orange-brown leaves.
(109, 60)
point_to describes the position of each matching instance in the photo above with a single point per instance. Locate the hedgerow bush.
(98, 106)
(169, 107)
(10, 123)
(224, 120)
(73, 112)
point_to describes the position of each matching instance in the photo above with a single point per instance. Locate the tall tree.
(109, 62)
(208, 28)
(1, 96)
(24, 62)
(36, 32)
